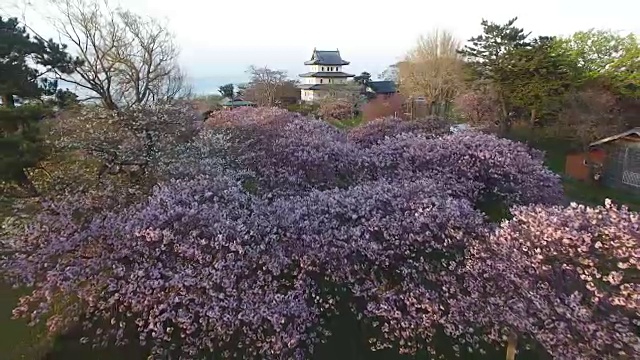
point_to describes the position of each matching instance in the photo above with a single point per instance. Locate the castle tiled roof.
(326, 57)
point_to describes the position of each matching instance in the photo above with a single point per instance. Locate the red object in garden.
(577, 164)
(614, 160)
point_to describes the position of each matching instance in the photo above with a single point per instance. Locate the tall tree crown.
(25, 61)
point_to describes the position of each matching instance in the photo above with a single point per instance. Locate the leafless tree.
(129, 59)
(287, 92)
(433, 69)
(264, 84)
(588, 115)
(391, 73)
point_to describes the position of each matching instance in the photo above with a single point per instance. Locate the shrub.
(21, 145)
(304, 108)
(478, 106)
(336, 109)
(381, 107)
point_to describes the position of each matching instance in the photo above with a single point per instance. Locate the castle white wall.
(316, 68)
(306, 95)
(316, 80)
(314, 95)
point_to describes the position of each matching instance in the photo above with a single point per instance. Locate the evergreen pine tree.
(25, 62)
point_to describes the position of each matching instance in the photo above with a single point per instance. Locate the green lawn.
(347, 123)
(17, 340)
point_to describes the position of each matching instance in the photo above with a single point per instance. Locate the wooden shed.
(614, 161)
(584, 166)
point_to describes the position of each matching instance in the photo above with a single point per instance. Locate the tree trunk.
(7, 101)
(109, 104)
(26, 183)
(533, 117)
(504, 126)
(512, 343)
(505, 123)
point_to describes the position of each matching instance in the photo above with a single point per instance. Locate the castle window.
(323, 68)
(320, 81)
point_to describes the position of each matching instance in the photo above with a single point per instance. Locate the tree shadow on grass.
(348, 342)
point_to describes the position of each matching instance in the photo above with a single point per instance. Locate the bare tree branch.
(264, 84)
(127, 59)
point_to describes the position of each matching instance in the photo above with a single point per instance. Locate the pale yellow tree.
(433, 70)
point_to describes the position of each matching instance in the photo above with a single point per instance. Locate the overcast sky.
(220, 39)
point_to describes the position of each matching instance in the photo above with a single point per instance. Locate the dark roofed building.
(382, 87)
(325, 70)
(227, 103)
(326, 57)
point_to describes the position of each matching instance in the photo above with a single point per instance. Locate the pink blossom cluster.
(504, 170)
(376, 130)
(139, 136)
(267, 224)
(478, 106)
(565, 278)
(336, 109)
(287, 153)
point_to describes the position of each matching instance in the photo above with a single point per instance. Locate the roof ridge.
(634, 130)
(326, 57)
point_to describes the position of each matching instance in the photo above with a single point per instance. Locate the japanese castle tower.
(325, 70)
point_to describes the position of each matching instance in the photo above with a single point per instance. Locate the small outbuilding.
(235, 102)
(384, 88)
(613, 161)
